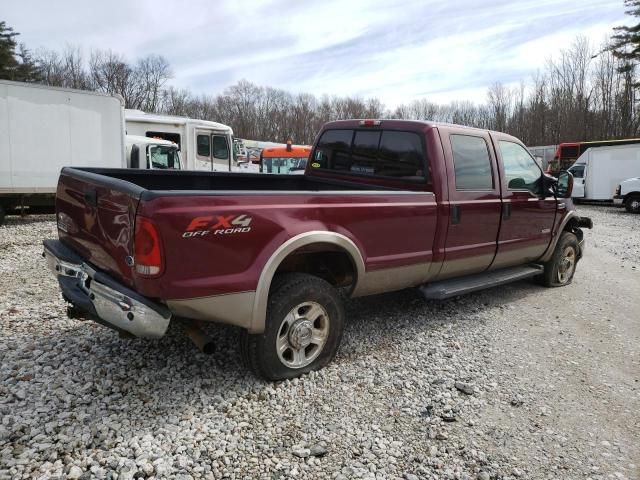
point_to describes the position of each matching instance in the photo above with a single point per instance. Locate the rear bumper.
(103, 299)
(618, 199)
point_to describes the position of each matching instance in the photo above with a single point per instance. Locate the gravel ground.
(513, 382)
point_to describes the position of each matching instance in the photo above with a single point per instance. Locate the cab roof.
(131, 115)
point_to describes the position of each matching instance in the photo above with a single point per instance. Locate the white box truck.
(599, 170)
(43, 129)
(204, 145)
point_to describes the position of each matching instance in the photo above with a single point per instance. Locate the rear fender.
(264, 283)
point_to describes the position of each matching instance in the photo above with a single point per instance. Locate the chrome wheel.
(302, 335)
(567, 265)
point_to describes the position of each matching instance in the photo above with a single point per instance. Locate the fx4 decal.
(218, 225)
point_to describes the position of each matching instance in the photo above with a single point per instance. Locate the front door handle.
(455, 214)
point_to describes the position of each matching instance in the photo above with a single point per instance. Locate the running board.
(479, 281)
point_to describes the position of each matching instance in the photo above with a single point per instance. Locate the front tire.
(559, 271)
(303, 329)
(632, 204)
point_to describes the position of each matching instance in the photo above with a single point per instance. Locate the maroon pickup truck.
(383, 205)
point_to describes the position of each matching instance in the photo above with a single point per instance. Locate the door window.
(472, 164)
(204, 148)
(520, 169)
(577, 171)
(220, 147)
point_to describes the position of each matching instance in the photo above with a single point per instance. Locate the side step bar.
(472, 283)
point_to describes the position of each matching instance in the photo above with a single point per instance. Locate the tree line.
(582, 93)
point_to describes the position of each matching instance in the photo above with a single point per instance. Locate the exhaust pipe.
(199, 338)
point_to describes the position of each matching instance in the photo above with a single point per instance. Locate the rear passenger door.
(529, 212)
(474, 202)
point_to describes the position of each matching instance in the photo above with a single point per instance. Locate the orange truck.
(290, 159)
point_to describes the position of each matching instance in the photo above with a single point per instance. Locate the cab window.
(220, 147)
(577, 171)
(520, 169)
(204, 149)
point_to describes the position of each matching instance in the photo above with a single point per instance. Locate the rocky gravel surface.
(513, 382)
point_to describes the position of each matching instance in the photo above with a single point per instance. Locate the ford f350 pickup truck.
(383, 205)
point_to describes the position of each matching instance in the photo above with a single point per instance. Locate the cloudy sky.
(395, 50)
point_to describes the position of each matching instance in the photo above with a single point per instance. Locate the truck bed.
(213, 182)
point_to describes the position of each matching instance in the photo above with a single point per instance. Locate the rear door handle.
(506, 212)
(455, 214)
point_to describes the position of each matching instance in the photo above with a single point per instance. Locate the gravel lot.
(514, 382)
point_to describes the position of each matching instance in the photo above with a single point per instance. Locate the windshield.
(164, 157)
(283, 164)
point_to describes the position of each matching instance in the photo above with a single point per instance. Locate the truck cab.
(152, 153)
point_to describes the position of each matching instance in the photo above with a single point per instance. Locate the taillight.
(147, 248)
(618, 189)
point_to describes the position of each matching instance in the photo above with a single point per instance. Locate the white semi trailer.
(43, 129)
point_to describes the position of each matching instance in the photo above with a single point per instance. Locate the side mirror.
(517, 184)
(564, 187)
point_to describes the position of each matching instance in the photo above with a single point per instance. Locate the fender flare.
(266, 276)
(552, 245)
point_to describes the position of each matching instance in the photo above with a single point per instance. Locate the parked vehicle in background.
(383, 205)
(290, 159)
(240, 151)
(204, 145)
(628, 194)
(152, 153)
(568, 152)
(599, 170)
(43, 129)
(544, 153)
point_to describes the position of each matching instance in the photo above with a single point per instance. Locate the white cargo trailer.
(599, 170)
(204, 145)
(43, 129)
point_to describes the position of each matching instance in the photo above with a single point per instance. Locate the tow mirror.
(564, 187)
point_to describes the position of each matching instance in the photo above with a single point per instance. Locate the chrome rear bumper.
(103, 299)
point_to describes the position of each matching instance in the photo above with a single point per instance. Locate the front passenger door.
(528, 212)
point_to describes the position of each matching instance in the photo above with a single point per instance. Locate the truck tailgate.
(96, 217)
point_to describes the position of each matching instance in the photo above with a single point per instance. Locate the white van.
(204, 145)
(599, 170)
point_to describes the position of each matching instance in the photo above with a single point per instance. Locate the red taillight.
(147, 248)
(370, 123)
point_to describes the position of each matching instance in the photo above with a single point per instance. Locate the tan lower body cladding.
(231, 308)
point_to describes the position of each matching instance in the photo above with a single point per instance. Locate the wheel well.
(324, 260)
(631, 195)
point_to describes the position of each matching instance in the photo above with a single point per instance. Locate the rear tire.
(2, 215)
(559, 271)
(632, 204)
(303, 329)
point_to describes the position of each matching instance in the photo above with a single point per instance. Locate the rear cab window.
(393, 154)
